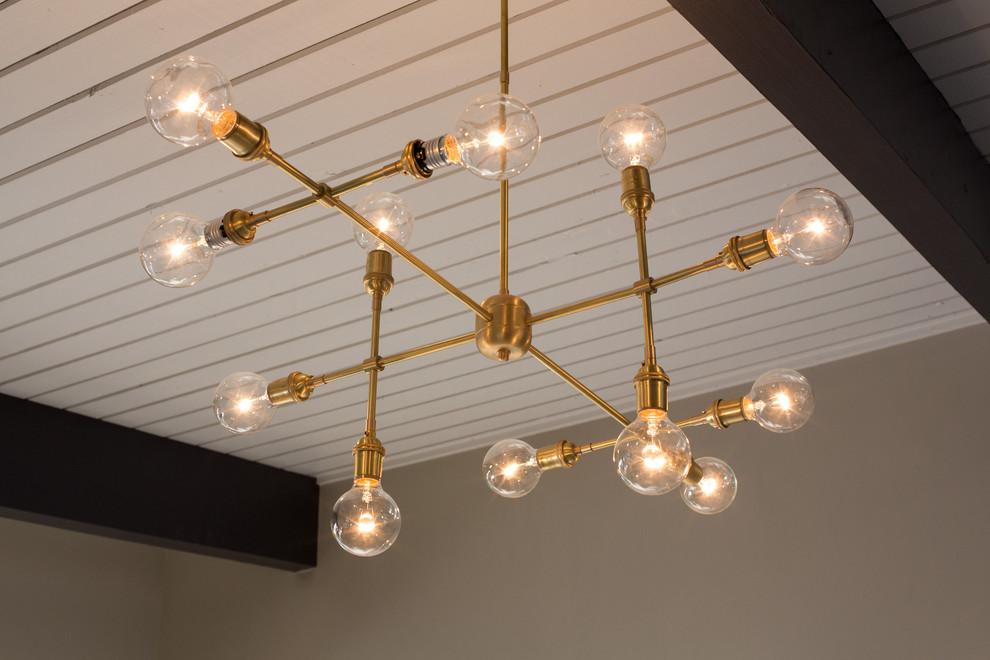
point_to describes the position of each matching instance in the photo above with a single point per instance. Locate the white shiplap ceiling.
(342, 87)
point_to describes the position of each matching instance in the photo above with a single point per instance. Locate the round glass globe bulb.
(184, 97)
(780, 401)
(366, 519)
(652, 455)
(632, 135)
(390, 214)
(716, 490)
(510, 468)
(241, 403)
(497, 136)
(813, 226)
(173, 250)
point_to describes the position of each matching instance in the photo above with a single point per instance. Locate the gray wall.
(864, 535)
(75, 596)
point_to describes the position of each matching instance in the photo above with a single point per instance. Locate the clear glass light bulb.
(390, 214)
(510, 468)
(813, 227)
(652, 455)
(716, 490)
(780, 401)
(366, 519)
(173, 250)
(184, 97)
(497, 136)
(241, 403)
(632, 135)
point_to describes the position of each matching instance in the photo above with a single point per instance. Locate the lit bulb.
(174, 251)
(390, 214)
(716, 489)
(632, 135)
(510, 468)
(184, 97)
(813, 227)
(652, 455)
(497, 136)
(241, 403)
(366, 520)
(780, 401)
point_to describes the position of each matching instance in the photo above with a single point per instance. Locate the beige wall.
(75, 596)
(864, 535)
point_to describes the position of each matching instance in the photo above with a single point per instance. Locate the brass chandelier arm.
(578, 385)
(649, 346)
(426, 349)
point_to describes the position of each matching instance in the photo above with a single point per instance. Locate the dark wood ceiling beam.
(64, 470)
(842, 76)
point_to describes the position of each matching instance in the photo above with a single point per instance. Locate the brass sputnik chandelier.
(496, 137)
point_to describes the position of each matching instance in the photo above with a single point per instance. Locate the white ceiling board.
(82, 328)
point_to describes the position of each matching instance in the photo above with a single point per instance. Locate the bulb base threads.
(508, 335)
(440, 152)
(637, 195)
(368, 457)
(215, 236)
(651, 383)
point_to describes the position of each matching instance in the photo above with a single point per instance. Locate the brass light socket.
(637, 195)
(237, 226)
(564, 454)
(651, 383)
(508, 335)
(294, 388)
(414, 161)
(248, 140)
(694, 475)
(743, 252)
(368, 456)
(378, 272)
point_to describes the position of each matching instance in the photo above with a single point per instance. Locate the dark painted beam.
(65, 470)
(842, 76)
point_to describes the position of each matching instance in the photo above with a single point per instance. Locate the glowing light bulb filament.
(511, 469)
(244, 405)
(816, 226)
(191, 103)
(782, 401)
(366, 523)
(496, 139)
(707, 485)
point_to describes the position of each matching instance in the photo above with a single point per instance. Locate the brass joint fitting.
(564, 454)
(294, 388)
(743, 252)
(368, 456)
(724, 413)
(637, 196)
(694, 475)
(647, 285)
(248, 140)
(378, 272)
(372, 364)
(414, 161)
(237, 226)
(651, 385)
(508, 335)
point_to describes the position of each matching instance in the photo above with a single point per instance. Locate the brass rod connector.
(743, 252)
(721, 414)
(576, 384)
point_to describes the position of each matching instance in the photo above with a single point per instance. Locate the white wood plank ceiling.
(342, 87)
